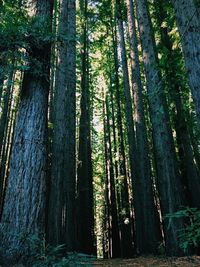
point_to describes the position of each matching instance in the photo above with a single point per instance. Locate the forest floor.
(148, 261)
(151, 262)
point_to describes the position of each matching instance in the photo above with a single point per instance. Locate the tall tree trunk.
(124, 207)
(5, 161)
(5, 108)
(148, 234)
(1, 79)
(166, 164)
(24, 210)
(85, 213)
(189, 171)
(112, 202)
(188, 20)
(61, 227)
(4, 133)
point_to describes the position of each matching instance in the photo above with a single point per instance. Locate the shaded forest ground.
(148, 261)
(151, 261)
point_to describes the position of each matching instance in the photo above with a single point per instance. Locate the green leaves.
(189, 237)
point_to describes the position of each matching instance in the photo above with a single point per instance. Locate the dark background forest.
(99, 129)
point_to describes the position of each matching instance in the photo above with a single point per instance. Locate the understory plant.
(189, 236)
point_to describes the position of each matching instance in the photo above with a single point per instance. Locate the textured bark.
(166, 164)
(189, 171)
(123, 206)
(61, 226)
(188, 20)
(148, 234)
(24, 210)
(85, 213)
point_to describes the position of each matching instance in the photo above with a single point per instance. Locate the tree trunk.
(112, 203)
(61, 227)
(148, 234)
(188, 21)
(4, 133)
(3, 72)
(24, 210)
(166, 164)
(124, 207)
(189, 171)
(5, 108)
(85, 212)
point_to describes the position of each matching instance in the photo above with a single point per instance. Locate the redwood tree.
(188, 21)
(171, 194)
(24, 210)
(61, 226)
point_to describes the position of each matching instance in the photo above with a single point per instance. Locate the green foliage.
(44, 255)
(189, 237)
(18, 30)
(20, 35)
(13, 25)
(197, 3)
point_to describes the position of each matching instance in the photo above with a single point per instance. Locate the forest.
(99, 130)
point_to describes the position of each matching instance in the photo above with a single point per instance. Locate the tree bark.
(4, 133)
(188, 20)
(124, 205)
(24, 210)
(189, 171)
(61, 227)
(85, 212)
(111, 199)
(148, 234)
(166, 163)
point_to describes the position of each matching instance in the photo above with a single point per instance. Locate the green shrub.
(189, 237)
(44, 255)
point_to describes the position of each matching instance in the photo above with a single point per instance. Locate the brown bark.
(148, 234)
(61, 227)
(166, 164)
(85, 212)
(124, 205)
(24, 210)
(114, 238)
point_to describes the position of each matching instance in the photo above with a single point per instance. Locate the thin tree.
(128, 109)
(114, 238)
(85, 212)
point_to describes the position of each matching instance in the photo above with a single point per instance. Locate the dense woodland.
(99, 127)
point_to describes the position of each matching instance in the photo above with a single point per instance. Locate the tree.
(112, 216)
(172, 70)
(61, 227)
(24, 209)
(4, 130)
(125, 205)
(85, 212)
(169, 186)
(187, 14)
(148, 234)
